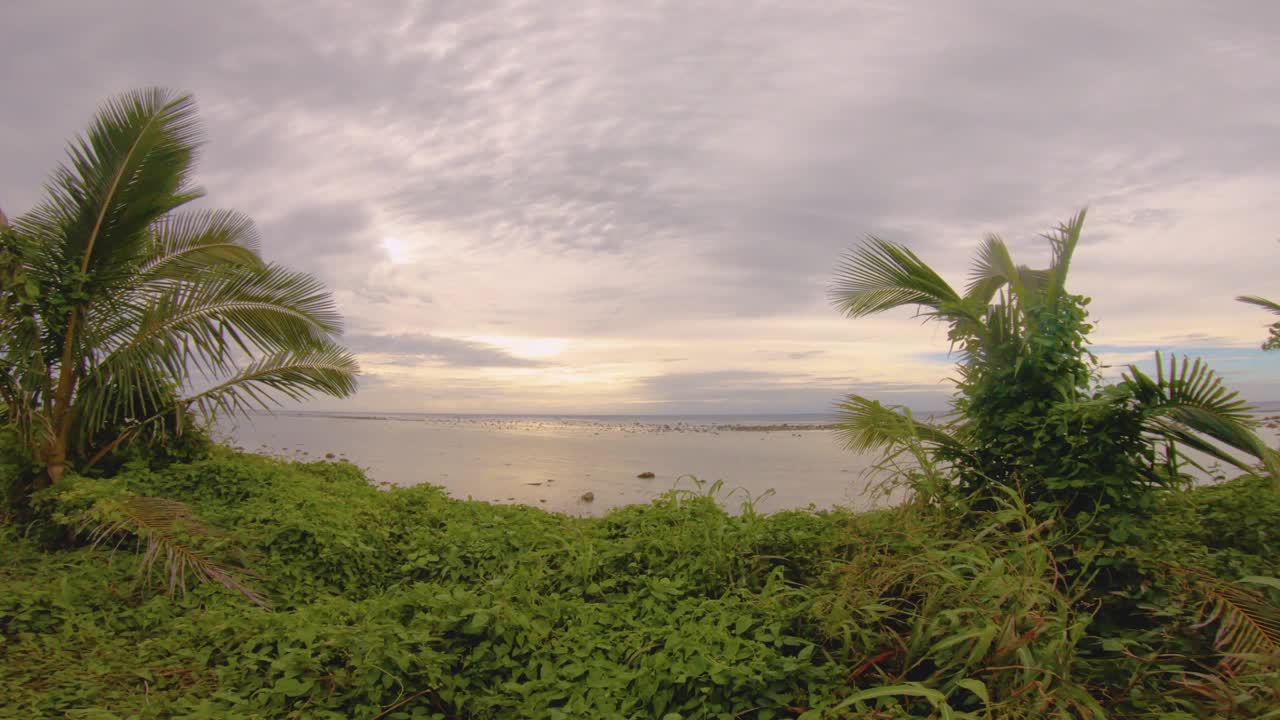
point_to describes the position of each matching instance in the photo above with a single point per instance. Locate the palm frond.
(1265, 304)
(131, 168)
(1063, 242)
(187, 243)
(878, 276)
(158, 340)
(1188, 403)
(865, 424)
(1273, 336)
(1191, 437)
(158, 523)
(993, 268)
(328, 370)
(1195, 384)
(1247, 623)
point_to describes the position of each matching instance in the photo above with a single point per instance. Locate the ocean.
(774, 461)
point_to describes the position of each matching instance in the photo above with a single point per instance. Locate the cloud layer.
(579, 206)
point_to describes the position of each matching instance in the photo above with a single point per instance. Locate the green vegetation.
(120, 312)
(1031, 411)
(1055, 560)
(1273, 330)
(404, 604)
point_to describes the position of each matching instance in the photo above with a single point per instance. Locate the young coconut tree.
(119, 306)
(1030, 410)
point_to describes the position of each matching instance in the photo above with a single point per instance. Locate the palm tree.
(1273, 338)
(1030, 410)
(119, 307)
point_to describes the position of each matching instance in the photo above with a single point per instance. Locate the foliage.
(404, 603)
(1273, 338)
(120, 310)
(1031, 412)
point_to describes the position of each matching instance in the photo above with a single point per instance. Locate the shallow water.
(552, 462)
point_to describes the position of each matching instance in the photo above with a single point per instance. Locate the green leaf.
(934, 697)
(1262, 580)
(293, 687)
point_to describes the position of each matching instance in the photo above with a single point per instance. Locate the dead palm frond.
(1246, 621)
(159, 525)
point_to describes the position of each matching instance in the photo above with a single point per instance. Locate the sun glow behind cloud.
(398, 251)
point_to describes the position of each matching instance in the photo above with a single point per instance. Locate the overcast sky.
(636, 207)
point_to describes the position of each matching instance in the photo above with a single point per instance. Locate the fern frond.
(157, 523)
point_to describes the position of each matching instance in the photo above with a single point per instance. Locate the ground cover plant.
(404, 603)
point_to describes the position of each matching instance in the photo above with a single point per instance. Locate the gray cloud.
(708, 162)
(749, 391)
(451, 352)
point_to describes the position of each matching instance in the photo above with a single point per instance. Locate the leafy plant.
(404, 603)
(118, 308)
(1030, 411)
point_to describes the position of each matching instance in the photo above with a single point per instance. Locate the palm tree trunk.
(55, 456)
(55, 460)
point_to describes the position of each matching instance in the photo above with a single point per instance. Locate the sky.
(525, 206)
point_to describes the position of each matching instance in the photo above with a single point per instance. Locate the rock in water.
(588, 496)
(646, 476)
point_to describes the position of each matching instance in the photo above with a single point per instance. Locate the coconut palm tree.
(1030, 409)
(119, 306)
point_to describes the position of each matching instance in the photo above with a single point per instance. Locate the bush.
(404, 603)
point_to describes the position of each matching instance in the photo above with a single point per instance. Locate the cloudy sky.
(636, 207)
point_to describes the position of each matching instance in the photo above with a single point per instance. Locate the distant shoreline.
(660, 423)
(783, 427)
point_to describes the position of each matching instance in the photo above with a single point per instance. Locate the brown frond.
(1247, 622)
(157, 523)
